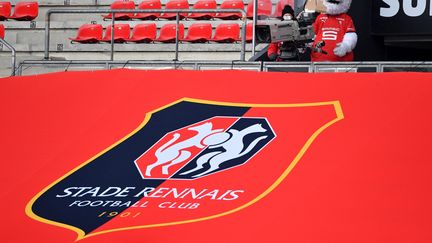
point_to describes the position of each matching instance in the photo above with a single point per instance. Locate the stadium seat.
(203, 4)
(143, 33)
(230, 4)
(167, 33)
(249, 30)
(25, 11)
(264, 8)
(227, 33)
(2, 31)
(175, 4)
(121, 33)
(199, 33)
(148, 4)
(121, 4)
(88, 33)
(280, 6)
(5, 10)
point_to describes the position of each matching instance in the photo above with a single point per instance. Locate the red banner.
(216, 156)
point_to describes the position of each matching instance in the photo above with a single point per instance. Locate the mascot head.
(337, 6)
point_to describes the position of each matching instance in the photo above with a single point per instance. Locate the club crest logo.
(189, 161)
(204, 148)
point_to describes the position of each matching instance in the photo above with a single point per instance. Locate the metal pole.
(47, 34)
(13, 62)
(380, 68)
(255, 18)
(19, 70)
(243, 39)
(112, 36)
(177, 36)
(13, 59)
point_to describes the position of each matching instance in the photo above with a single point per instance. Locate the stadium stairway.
(27, 37)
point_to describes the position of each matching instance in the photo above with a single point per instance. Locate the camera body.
(293, 34)
(277, 30)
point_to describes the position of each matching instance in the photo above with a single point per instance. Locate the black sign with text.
(402, 17)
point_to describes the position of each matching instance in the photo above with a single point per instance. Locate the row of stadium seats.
(146, 33)
(175, 4)
(27, 11)
(23, 11)
(264, 8)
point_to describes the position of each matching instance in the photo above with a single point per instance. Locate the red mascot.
(336, 29)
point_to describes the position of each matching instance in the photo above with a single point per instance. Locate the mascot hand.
(341, 49)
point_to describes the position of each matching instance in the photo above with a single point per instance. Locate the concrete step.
(5, 61)
(33, 40)
(5, 64)
(128, 47)
(62, 2)
(61, 25)
(18, 48)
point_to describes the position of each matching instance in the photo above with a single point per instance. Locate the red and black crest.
(204, 148)
(189, 161)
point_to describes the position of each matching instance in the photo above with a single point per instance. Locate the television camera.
(294, 33)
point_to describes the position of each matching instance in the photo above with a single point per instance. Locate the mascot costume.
(336, 30)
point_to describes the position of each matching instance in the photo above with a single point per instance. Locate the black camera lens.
(262, 34)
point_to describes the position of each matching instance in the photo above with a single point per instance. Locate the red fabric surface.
(366, 178)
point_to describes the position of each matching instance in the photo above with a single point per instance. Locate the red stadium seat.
(143, 33)
(121, 4)
(121, 33)
(2, 31)
(88, 33)
(231, 4)
(25, 11)
(199, 33)
(148, 4)
(280, 6)
(203, 4)
(175, 4)
(167, 33)
(227, 33)
(249, 30)
(264, 8)
(5, 10)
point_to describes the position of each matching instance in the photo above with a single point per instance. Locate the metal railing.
(13, 58)
(316, 67)
(113, 12)
(254, 23)
(45, 66)
(305, 67)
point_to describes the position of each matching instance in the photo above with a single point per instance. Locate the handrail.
(254, 23)
(107, 64)
(263, 66)
(114, 11)
(13, 59)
